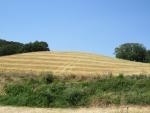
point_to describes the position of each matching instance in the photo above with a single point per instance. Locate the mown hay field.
(70, 63)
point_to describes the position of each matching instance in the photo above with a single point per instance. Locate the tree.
(35, 46)
(131, 51)
(148, 56)
(10, 47)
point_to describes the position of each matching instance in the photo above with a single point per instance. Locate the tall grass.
(51, 91)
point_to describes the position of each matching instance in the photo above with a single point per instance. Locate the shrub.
(49, 78)
(75, 98)
(17, 89)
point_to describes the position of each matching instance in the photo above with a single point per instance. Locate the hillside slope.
(70, 62)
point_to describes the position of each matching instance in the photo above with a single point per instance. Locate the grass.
(70, 63)
(51, 91)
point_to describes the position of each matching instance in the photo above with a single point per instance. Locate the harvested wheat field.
(136, 109)
(70, 63)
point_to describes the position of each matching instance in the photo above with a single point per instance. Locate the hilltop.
(70, 63)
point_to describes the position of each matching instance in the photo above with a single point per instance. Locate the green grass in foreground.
(56, 92)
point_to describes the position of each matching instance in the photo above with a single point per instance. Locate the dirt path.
(80, 110)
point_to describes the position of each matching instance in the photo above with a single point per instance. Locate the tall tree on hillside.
(131, 51)
(148, 56)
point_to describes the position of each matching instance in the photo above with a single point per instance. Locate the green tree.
(10, 47)
(131, 51)
(148, 56)
(35, 46)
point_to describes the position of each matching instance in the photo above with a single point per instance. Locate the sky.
(95, 26)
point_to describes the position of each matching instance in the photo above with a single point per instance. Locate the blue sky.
(96, 26)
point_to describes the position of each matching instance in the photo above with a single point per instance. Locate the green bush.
(49, 78)
(15, 90)
(75, 98)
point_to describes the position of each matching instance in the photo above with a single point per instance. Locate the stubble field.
(70, 62)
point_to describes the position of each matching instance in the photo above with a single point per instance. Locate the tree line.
(133, 52)
(11, 47)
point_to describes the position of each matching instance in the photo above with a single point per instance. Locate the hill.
(20, 87)
(70, 63)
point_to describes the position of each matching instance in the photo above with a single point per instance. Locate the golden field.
(70, 63)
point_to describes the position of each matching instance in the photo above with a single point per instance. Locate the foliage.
(75, 98)
(10, 47)
(148, 56)
(35, 46)
(131, 51)
(63, 93)
(48, 78)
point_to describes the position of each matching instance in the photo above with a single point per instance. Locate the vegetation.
(10, 47)
(35, 46)
(147, 56)
(50, 91)
(133, 51)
